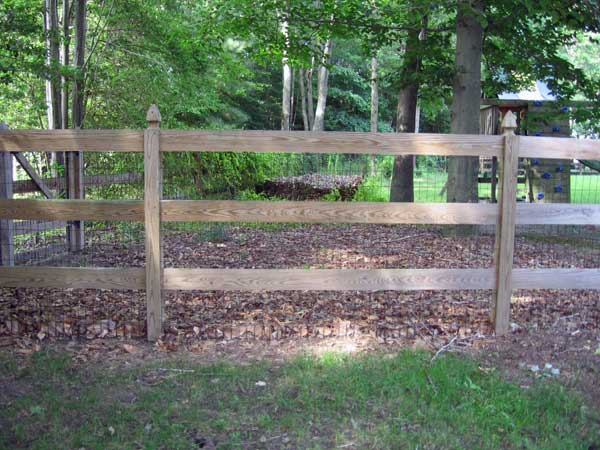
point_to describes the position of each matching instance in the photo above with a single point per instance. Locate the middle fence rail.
(153, 141)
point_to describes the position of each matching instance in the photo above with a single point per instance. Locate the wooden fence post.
(505, 227)
(7, 249)
(152, 196)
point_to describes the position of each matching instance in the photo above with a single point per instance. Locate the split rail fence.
(153, 141)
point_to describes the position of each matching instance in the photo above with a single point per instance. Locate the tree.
(463, 170)
(374, 107)
(401, 188)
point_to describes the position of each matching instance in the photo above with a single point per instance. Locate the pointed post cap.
(509, 123)
(153, 116)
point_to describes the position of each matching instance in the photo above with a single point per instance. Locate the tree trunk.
(309, 95)
(64, 97)
(463, 170)
(286, 100)
(374, 95)
(374, 108)
(78, 112)
(301, 79)
(53, 61)
(319, 123)
(402, 185)
(75, 188)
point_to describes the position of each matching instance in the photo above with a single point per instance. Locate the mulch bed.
(46, 314)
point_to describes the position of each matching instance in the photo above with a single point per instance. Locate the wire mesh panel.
(251, 245)
(70, 313)
(557, 247)
(66, 313)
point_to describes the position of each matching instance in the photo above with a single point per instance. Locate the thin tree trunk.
(75, 188)
(53, 60)
(374, 108)
(286, 97)
(293, 100)
(402, 185)
(286, 101)
(463, 170)
(64, 97)
(301, 79)
(323, 84)
(78, 112)
(53, 97)
(309, 95)
(374, 95)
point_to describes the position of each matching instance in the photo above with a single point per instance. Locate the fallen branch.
(444, 348)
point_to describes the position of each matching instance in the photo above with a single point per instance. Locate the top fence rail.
(295, 142)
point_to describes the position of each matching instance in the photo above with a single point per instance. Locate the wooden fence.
(502, 278)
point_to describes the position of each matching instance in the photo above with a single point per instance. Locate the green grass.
(428, 188)
(370, 401)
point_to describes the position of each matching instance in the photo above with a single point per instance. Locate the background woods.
(300, 65)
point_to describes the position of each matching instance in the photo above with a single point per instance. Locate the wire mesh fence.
(270, 315)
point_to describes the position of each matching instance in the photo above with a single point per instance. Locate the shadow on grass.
(349, 401)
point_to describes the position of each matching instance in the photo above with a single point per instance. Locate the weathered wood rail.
(506, 214)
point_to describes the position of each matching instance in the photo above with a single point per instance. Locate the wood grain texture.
(558, 148)
(327, 279)
(556, 278)
(72, 277)
(328, 212)
(295, 141)
(557, 214)
(505, 228)
(71, 140)
(331, 142)
(152, 197)
(295, 279)
(26, 209)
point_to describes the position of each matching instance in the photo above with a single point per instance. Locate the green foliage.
(251, 194)
(333, 196)
(370, 190)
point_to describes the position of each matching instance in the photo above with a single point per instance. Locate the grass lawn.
(333, 401)
(428, 188)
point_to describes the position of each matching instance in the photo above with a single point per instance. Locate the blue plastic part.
(538, 134)
(558, 188)
(537, 103)
(546, 175)
(535, 162)
(556, 129)
(540, 196)
(564, 109)
(560, 168)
